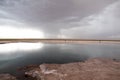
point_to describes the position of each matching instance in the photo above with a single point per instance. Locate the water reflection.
(11, 50)
(35, 53)
(12, 47)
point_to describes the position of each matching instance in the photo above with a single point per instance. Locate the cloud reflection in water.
(13, 47)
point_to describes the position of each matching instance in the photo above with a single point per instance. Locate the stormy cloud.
(64, 18)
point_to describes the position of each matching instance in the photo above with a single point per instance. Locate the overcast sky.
(93, 19)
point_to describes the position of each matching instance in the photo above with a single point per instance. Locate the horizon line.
(57, 40)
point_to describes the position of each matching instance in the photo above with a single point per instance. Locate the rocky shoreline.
(7, 77)
(92, 69)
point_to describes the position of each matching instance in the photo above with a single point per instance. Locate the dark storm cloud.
(103, 25)
(63, 18)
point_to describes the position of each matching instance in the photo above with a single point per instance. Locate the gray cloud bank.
(97, 19)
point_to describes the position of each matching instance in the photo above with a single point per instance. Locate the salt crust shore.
(91, 69)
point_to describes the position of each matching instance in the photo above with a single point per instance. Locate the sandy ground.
(7, 77)
(77, 41)
(92, 69)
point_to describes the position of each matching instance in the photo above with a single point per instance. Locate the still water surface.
(16, 55)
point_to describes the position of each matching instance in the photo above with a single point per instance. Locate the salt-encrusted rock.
(92, 69)
(7, 77)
